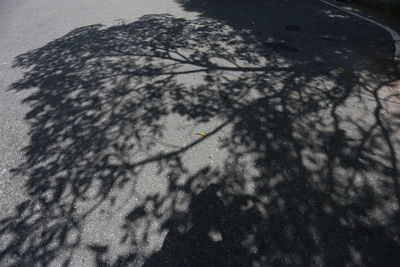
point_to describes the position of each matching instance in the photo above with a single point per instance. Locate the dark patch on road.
(293, 28)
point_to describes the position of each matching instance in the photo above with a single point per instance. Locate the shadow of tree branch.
(311, 172)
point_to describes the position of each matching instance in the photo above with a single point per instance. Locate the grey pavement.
(196, 133)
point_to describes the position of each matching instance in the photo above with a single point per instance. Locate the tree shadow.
(209, 239)
(310, 176)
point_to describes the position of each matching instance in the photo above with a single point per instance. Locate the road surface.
(196, 133)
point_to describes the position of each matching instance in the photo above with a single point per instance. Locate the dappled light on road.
(307, 173)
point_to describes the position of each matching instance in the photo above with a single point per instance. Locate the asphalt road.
(196, 133)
